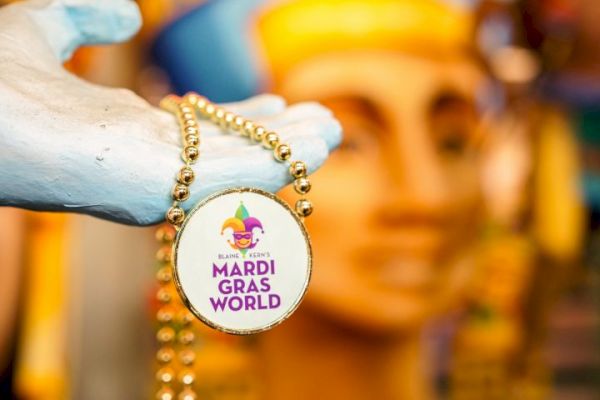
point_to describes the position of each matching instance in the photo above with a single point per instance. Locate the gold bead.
(165, 355)
(196, 100)
(185, 175)
(258, 133)
(164, 254)
(165, 393)
(218, 115)
(282, 152)
(209, 110)
(175, 215)
(180, 192)
(187, 115)
(191, 130)
(184, 105)
(165, 334)
(186, 337)
(189, 123)
(165, 375)
(302, 185)
(187, 356)
(304, 207)
(298, 169)
(164, 275)
(247, 128)
(228, 120)
(170, 103)
(163, 295)
(165, 314)
(238, 123)
(185, 111)
(201, 105)
(187, 377)
(192, 140)
(165, 234)
(271, 140)
(185, 317)
(192, 98)
(190, 154)
(187, 394)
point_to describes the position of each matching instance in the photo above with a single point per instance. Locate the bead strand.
(165, 334)
(185, 109)
(175, 335)
(186, 355)
(183, 338)
(190, 133)
(259, 134)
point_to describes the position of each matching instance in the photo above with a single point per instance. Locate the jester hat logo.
(243, 226)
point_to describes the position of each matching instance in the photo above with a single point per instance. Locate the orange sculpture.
(399, 203)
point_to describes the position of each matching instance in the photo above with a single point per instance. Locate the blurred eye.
(349, 144)
(452, 140)
(359, 134)
(360, 121)
(452, 121)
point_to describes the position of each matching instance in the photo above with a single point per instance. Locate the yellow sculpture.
(399, 203)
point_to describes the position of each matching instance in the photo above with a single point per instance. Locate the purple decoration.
(251, 223)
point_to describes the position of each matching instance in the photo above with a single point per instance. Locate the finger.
(229, 161)
(258, 106)
(67, 24)
(264, 105)
(293, 114)
(310, 118)
(254, 168)
(312, 150)
(326, 128)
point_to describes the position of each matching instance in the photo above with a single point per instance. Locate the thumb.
(67, 24)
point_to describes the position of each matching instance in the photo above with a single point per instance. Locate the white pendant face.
(242, 261)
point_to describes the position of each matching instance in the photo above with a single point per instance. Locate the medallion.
(242, 260)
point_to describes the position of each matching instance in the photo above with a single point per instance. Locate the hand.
(69, 145)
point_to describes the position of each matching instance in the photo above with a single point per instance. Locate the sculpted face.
(397, 206)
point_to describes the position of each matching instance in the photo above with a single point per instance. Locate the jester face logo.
(243, 227)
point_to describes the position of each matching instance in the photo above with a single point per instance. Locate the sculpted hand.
(69, 145)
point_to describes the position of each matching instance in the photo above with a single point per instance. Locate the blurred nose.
(417, 187)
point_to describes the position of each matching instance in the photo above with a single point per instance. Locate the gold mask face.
(400, 198)
(394, 250)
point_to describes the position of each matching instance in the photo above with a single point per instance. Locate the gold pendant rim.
(179, 287)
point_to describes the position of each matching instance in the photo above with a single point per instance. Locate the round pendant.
(243, 261)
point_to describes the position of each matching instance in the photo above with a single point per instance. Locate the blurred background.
(456, 231)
